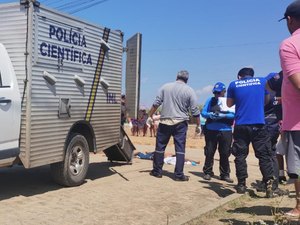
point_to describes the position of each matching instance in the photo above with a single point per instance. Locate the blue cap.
(270, 75)
(219, 87)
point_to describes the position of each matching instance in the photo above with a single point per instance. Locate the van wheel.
(72, 171)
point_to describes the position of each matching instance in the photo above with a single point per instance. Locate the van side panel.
(68, 69)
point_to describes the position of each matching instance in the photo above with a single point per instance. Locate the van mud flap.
(123, 151)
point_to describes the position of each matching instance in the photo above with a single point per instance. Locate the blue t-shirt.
(248, 94)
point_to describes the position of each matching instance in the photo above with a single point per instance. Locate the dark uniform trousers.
(217, 139)
(164, 133)
(260, 139)
(273, 131)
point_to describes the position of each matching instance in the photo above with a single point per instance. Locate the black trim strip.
(97, 76)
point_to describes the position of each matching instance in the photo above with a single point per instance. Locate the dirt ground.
(253, 208)
(118, 193)
(193, 142)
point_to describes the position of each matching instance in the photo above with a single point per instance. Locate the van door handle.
(5, 101)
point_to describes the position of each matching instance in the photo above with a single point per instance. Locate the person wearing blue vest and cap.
(218, 133)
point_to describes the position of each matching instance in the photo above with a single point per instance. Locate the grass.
(248, 209)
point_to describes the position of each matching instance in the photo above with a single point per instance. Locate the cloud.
(144, 80)
(205, 90)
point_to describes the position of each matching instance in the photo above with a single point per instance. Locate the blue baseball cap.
(219, 87)
(271, 75)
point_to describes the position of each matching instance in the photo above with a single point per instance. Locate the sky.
(211, 39)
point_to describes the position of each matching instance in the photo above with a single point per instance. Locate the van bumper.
(9, 153)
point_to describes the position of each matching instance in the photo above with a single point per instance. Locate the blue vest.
(224, 124)
(249, 97)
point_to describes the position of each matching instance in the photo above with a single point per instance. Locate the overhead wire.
(216, 46)
(71, 4)
(80, 5)
(44, 1)
(75, 6)
(88, 6)
(53, 2)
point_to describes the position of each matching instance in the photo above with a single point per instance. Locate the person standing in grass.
(290, 63)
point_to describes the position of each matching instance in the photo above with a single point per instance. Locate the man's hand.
(198, 129)
(213, 116)
(149, 122)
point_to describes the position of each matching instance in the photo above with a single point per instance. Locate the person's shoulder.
(190, 89)
(232, 83)
(208, 99)
(169, 84)
(288, 42)
(261, 79)
(275, 82)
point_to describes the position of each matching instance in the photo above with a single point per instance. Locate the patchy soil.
(252, 208)
(193, 142)
(122, 193)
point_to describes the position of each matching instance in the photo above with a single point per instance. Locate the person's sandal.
(293, 213)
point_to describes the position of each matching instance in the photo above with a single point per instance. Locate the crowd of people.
(142, 124)
(256, 110)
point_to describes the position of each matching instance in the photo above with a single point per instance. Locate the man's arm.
(152, 110)
(295, 79)
(291, 61)
(198, 120)
(267, 93)
(269, 89)
(230, 102)
(204, 111)
(230, 95)
(267, 98)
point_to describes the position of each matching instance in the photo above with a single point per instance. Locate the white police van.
(60, 81)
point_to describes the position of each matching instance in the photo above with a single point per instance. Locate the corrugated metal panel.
(13, 27)
(48, 132)
(50, 34)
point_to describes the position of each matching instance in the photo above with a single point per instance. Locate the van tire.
(72, 171)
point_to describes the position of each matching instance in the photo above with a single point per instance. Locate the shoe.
(241, 189)
(259, 186)
(227, 179)
(279, 192)
(183, 178)
(155, 174)
(207, 177)
(282, 180)
(269, 189)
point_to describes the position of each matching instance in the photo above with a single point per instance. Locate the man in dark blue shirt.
(248, 94)
(274, 85)
(273, 115)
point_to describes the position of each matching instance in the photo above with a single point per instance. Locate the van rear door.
(10, 108)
